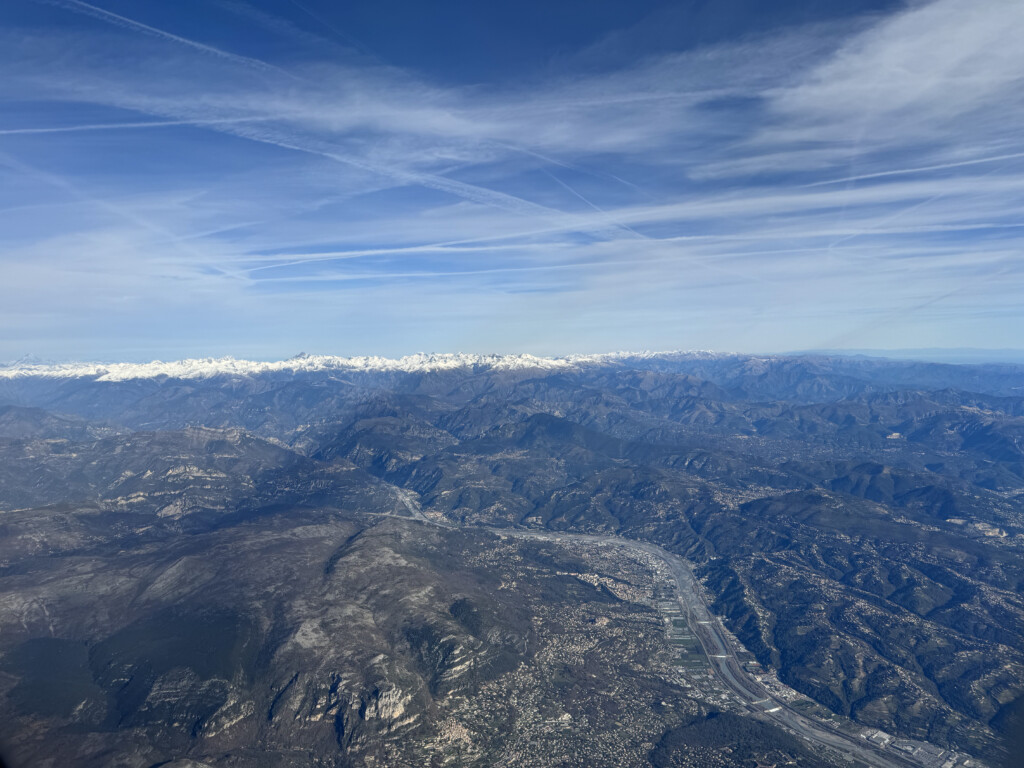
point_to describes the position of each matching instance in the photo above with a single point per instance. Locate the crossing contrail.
(919, 169)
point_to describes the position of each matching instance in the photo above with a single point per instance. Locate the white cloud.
(339, 191)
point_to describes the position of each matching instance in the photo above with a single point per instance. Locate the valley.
(707, 560)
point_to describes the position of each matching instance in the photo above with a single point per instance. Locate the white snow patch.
(229, 366)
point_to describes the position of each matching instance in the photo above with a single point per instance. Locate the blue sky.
(258, 178)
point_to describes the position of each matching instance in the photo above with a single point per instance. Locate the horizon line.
(203, 367)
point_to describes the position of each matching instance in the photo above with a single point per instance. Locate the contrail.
(915, 206)
(340, 33)
(285, 260)
(62, 183)
(921, 169)
(452, 273)
(129, 126)
(568, 266)
(887, 319)
(77, 6)
(569, 166)
(471, 192)
(601, 211)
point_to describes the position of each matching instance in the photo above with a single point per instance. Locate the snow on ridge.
(229, 366)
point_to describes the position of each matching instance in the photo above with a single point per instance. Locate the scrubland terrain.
(303, 566)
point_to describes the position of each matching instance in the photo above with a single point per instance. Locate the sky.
(258, 178)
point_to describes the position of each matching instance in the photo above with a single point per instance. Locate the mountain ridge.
(422, 362)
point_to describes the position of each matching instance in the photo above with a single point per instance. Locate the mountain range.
(309, 562)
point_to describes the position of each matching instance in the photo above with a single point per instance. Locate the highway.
(724, 662)
(720, 652)
(722, 656)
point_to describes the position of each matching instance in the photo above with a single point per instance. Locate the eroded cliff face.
(315, 637)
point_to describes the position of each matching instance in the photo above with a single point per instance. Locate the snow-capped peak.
(304, 363)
